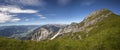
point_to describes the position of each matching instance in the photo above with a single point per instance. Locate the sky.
(40, 12)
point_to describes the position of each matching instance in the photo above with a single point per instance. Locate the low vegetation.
(104, 37)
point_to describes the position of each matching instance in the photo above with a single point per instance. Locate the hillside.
(99, 31)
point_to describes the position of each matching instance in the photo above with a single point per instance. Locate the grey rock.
(53, 31)
(92, 19)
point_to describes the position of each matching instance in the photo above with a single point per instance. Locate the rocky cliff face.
(53, 31)
(45, 32)
(90, 20)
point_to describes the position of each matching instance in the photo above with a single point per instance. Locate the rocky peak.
(52, 31)
(97, 13)
(96, 16)
(92, 19)
(45, 32)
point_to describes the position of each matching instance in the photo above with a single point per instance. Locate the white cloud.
(8, 18)
(7, 11)
(13, 9)
(64, 2)
(15, 19)
(27, 2)
(42, 17)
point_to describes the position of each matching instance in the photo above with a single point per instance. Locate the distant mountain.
(44, 32)
(16, 31)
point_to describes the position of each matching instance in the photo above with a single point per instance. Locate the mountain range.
(100, 30)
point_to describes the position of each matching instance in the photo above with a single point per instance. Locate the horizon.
(42, 12)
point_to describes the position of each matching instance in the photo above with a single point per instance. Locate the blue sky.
(39, 12)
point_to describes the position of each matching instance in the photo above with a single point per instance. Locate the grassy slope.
(104, 37)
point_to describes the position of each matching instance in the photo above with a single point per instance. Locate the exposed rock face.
(52, 31)
(92, 19)
(41, 34)
(45, 32)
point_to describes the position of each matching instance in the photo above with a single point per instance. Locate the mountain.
(98, 31)
(92, 19)
(16, 31)
(86, 24)
(44, 32)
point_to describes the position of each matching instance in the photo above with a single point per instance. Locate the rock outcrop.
(45, 32)
(92, 19)
(53, 31)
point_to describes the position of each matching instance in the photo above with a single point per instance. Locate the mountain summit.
(98, 31)
(86, 25)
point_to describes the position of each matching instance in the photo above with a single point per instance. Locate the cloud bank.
(41, 16)
(13, 9)
(7, 11)
(8, 18)
(24, 2)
